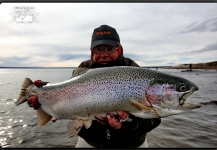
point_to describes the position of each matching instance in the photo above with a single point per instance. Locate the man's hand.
(114, 119)
(33, 100)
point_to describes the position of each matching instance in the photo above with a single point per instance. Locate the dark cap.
(104, 35)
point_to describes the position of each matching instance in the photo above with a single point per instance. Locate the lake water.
(18, 125)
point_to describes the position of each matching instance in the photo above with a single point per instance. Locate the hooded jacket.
(132, 134)
(120, 61)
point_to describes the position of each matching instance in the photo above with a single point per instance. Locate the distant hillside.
(208, 65)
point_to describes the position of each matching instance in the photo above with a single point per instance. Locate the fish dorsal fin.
(145, 109)
(74, 127)
(21, 99)
(78, 71)
(43, 117)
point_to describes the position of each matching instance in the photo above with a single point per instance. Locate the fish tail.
(21, 99)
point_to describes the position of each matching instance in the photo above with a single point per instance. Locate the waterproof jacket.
(131, 135)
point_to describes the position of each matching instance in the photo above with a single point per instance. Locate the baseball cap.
(104, 35)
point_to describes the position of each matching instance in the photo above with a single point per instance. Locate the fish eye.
(182, 87)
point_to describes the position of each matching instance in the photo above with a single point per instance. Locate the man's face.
(104, 54)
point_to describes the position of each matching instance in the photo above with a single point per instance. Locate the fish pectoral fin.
(139, 106)
(87, 123)
(143, 108)
(74, 127)
(43, 117)
(21, 99)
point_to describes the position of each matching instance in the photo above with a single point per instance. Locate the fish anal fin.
(74, 127)
(87, 123)
(43, 117)
(143, 108)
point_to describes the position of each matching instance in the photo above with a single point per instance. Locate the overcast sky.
(152, 34)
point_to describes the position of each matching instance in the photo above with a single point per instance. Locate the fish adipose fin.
(146, 111)
(43, 117)
(21, 99)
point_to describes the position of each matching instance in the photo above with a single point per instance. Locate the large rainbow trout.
(141, 92)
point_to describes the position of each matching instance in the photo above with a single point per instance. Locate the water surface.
(18, 125)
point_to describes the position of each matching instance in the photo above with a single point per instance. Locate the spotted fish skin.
(139, 91)
(94, 92)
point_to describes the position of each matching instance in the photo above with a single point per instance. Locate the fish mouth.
(186, 94)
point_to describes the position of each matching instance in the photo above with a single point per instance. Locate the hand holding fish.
(114, 119)
(33, 100)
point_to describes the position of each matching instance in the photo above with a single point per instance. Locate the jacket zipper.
(108, 134)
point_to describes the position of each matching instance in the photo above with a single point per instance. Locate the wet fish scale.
(108, 88)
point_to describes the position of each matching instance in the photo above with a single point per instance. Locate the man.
(117, 129)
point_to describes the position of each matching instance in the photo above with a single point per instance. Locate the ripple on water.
(18, 125)
(3, 112)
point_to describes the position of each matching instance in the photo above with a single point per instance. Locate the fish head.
(170, 91)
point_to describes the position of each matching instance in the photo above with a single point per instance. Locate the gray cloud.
(198, 55)
(64, 38)
(133, 56)
(14, 61)
(158, 60)
(63, 48)
(73, 56)
(60, 50)
(211, 47)
(205, 26)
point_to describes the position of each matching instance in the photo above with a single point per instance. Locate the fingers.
(102, 120)
(40, 83)
(113, 121)
(122, 114)
(33, 102)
